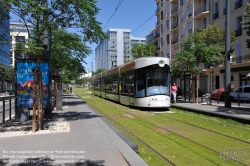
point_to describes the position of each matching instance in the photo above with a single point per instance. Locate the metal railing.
(201, 10)
(6, 106)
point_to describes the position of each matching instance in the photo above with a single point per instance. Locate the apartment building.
(116, 49)
(4, 46)
(4, 42)
(179, 18)
(18, 34)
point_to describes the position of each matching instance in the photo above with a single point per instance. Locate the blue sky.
(130, 15)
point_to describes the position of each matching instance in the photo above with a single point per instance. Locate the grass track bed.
(175, 148)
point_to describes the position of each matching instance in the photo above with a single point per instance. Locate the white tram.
(144, 82)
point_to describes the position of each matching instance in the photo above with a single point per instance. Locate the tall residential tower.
(116, 49)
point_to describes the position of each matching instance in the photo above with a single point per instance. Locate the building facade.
(116, 49)
(4, 42)
(18, 34)
(179, 18)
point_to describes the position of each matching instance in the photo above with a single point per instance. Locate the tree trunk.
(40, 101)
(197, 96)
(34, 102)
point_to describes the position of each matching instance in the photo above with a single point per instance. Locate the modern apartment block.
(18, 34)
(179, 18)
(4, 41)
(116, 49)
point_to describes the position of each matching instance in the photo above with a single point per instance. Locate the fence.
(7, 107)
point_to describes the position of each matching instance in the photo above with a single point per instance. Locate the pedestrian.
(174, 91)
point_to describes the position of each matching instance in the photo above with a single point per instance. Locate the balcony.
(238, 32)
(157, 10)
(215, 15)
(242, 59)
(174, 10)
(238, 4)
(174, 25)
(174, 40)
(157, 23)
(201, 12)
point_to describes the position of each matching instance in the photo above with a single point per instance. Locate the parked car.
(218, 93)
(243, 92)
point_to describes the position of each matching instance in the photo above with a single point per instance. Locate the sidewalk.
(74, 136)
(239, 113)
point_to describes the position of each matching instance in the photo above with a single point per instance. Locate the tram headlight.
(161, 63)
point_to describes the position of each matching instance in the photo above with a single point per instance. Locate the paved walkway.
(74, 136)
(237, 112)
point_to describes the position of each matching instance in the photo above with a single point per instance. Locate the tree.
(68, 54)
(99, 71)
(246, 24)
(43, 17)
(194, 52)
(143, 50)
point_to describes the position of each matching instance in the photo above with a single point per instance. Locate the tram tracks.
(186, 138)
(140, 140)
(215, 132)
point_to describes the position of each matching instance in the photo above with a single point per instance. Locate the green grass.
(177, 149)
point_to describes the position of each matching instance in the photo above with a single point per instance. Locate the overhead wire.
(163, 6)
(119, 4)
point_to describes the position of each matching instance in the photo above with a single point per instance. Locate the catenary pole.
(227, 58)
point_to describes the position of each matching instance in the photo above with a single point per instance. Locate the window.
(162, 44)
(238, 31)
(181, 16)
(190, 28)
(161, 28)
(167, 24)
(161, 15)
(20, 38)
(181, 2)
(168, 10)
(247, 90)
(238, 49)
(181, 32)
(190, 10)
(168, 39)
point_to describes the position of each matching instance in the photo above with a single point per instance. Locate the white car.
(243, 93)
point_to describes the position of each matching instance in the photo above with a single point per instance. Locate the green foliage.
(246, 24)
(215, 35)
(143, 50)
(196, 50)
(62, 14)
(68, 53)
(99, 71)
(7, 73)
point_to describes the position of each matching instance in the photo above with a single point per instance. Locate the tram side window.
(111, 84)
(140, 83)
(103, 84)
(97, 84)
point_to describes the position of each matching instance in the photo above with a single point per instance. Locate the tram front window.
(158, 82)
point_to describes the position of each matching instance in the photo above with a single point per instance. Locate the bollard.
(238, 99)
(9, 107)
(3, 110)
(218, 98)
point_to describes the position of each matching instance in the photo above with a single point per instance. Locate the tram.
(144, 82)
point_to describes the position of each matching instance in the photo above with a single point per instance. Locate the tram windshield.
(156, 81)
